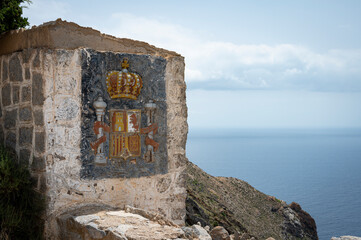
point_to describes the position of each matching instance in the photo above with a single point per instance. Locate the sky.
(249, 64)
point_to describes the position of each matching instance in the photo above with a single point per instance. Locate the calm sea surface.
(318, 168)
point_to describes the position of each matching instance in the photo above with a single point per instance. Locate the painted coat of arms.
(125, 133)
(125, 124)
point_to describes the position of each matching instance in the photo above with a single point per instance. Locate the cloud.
(40, 11)
(222, 64)
(226, 65)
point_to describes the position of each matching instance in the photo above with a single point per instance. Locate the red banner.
(154, 144)
(99, 124)
(153, 127)
(95, 145)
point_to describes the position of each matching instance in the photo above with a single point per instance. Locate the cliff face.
(237, 206)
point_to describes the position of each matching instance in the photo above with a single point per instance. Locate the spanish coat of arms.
(125, 124)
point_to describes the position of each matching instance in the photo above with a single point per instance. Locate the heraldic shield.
(124, 138)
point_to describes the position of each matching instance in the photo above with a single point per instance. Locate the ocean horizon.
(317, 168)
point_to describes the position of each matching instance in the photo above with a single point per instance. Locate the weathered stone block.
(6, 95)
(175, 85)
(16, 94)
(27, 73)
(25, 114)
(25, 93)
(65, 83)
(5, 70)
(26, 54)
(10, 118)
(15, 69)
(10, 140)
(36, 61)
(38, 117)
(24, 156)
(37, 89)
(68, 70)
(25, 135)
(40, 142)
(163, 184)
(38, 164)
(178, 160)
(67, 109)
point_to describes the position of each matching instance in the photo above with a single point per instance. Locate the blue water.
(318, 168)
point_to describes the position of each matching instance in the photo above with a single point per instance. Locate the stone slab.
(117, 225)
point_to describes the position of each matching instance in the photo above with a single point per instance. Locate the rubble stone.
(10, 118)
(25, 135)
(37, 89)
(6, 95)
(25, 114)
(219, 233)
(15, 69)
(25, 93)
(24, 156)
(16, 94)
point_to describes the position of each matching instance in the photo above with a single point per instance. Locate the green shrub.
(20, 206)
(10, 15)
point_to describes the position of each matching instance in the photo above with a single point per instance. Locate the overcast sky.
(256, 64)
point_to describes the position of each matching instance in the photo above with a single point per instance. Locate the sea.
(318, 168)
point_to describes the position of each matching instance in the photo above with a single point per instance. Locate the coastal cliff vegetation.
(243, 210)
(20, 205)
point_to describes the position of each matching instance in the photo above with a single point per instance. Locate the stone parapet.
(67, 35)
(51, 76)
(22, 97)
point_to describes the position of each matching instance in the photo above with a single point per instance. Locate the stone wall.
(47, 117)
(22, 100)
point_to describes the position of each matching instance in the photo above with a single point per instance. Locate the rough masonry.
(51, 76)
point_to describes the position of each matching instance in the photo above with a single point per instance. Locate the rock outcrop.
(219, 233)
(196, 232)
(242, 210)
(127, 224)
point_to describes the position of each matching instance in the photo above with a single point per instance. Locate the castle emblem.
(125, 133)
(123, 84)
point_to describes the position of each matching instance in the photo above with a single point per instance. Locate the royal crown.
(123, 84)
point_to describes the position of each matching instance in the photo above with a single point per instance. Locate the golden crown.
(123, 84)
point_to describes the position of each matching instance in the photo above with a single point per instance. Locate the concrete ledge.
(60, 34)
